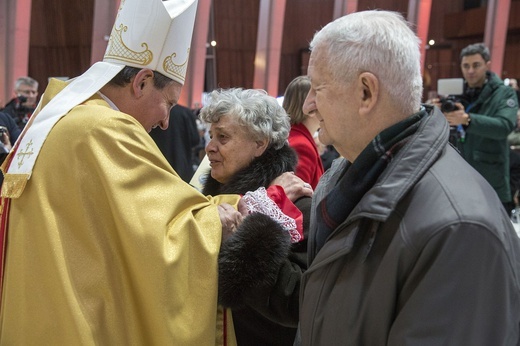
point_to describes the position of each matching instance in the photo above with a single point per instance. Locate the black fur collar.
(261, 172)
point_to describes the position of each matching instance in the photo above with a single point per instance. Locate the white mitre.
(150, 34)
(160, 41)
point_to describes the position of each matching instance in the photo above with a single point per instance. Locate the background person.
(513, 83)
(9, 133)
(178, 140)
(486, 120)
(303, 127)
(404, 231)
(513, 140)
(21, 107)
(248, 149)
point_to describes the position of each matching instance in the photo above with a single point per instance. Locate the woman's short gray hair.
(260, 113)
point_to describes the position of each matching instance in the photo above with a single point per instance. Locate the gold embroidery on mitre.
(176, 69)
(120, 51)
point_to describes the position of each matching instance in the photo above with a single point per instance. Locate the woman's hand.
(4, 138)
(230, 219)
(293, 186)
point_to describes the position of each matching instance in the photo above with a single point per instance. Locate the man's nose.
(309, 105)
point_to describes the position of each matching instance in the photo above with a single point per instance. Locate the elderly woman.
(249, 149)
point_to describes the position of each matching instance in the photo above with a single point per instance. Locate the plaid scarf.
(359, 176)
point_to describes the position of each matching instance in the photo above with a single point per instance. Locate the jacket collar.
(401, 175)
(408, 166)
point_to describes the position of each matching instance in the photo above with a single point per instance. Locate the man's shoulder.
(4, 116)
(453, 193)
(496, 93)
(9, 108)
(497, 84)
(96, 114)
(7, 120)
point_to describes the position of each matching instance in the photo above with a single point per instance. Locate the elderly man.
(408, 245)
(104, 242)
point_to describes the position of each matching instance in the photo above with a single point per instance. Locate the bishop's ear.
(143, 78)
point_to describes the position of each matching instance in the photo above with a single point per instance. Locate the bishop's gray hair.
(260, 113)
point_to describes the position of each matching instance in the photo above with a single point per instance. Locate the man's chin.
(323, 137)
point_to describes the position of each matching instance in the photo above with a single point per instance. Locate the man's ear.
(143, 78)
(369, 91)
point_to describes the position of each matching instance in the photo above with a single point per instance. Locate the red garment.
(310, 167)
(277, 194)
(5, 203)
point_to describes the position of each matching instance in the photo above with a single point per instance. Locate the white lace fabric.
(258, 201)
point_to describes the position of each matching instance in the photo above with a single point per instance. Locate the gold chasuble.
(107, 245)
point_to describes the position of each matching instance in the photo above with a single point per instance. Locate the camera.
(22, 112)
(453, 91)
(21, 100)
(448, 103)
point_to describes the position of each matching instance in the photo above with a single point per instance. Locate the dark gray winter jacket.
(427, 257)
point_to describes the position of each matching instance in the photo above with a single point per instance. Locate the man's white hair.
(380, 42)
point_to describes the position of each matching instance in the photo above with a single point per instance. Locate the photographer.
(485, 120)
(9, 133)
(21, 107)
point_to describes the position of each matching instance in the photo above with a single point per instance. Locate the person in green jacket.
(485, 120)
